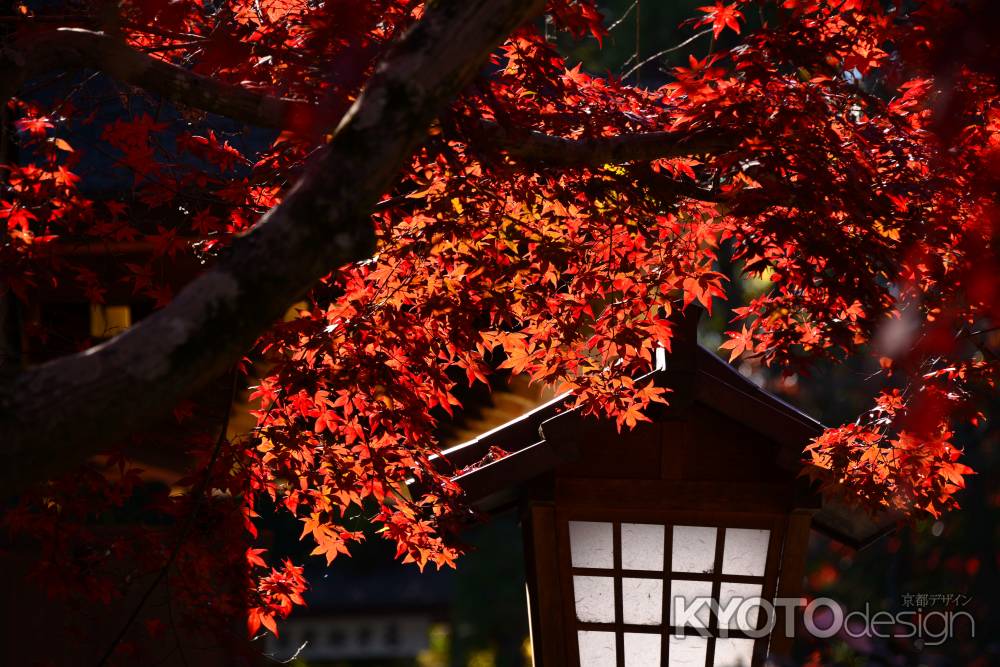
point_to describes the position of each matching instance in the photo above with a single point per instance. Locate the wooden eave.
(536, 443)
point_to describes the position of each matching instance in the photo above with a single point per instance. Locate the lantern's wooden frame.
(776, 524)
(725, 453)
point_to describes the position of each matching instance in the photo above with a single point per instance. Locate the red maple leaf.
(36, 127)
(721, 16)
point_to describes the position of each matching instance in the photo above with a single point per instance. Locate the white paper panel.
(732, 597)
(642, 546)
(594, 598)
(693, 549)
(688, 591)
(745, 552)
(590, 544)
(597, 649)
(688, 651)
(642, 601)
(732, 652)
(642, 650)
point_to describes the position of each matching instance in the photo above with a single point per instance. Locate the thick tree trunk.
(55, 416)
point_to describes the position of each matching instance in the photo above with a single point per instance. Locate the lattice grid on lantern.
(631, 582)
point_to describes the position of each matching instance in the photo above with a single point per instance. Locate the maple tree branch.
(76, 48)
(597, 151)
(57, 415)
(69, 48)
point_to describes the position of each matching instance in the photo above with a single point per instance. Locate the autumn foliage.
(809, 145)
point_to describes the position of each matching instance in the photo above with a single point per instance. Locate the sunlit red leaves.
(254, 557)
(35, 126)
(739, 343)
(676, 167)
(18, 218)
(277, 10)
(417, 540)
(278, 593)
(65, 178)
(62, 144)
(698, 83)
(914, 94)
(330, 541)
(704, 289)
(902, 457)
(721, 16)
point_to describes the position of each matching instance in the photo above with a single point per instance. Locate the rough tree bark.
(57, 415)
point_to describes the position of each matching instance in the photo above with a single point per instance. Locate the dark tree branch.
(65, 49)
(556, 151)
(57, 415)
(69, 48)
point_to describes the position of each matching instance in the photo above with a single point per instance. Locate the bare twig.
(623, 16)
(660, 54)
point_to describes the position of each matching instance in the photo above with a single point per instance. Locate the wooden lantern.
(624, 531)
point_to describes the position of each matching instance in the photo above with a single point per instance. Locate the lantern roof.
(494, 467)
